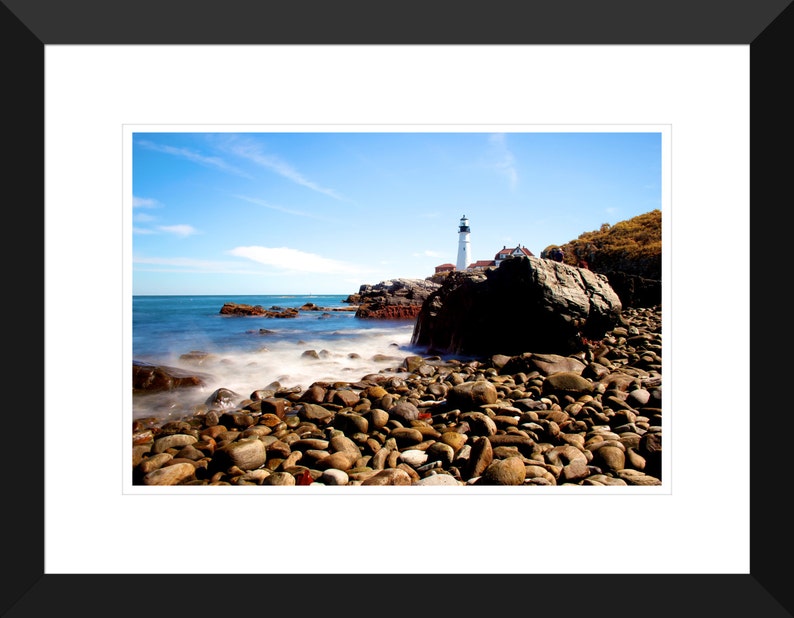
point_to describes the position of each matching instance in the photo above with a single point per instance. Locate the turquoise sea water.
(246, 353)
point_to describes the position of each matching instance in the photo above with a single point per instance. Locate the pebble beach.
(593, 418)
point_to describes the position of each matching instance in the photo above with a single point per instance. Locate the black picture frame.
(27, 26)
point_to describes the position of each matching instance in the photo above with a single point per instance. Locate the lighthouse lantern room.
(464, 244)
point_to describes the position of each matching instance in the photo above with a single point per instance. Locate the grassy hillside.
(631, 247)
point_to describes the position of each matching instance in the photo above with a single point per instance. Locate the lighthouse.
(464, 245)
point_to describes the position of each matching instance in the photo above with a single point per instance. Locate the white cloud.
(260, 202)
(428, 253)
(194, 156)
(145, 202)
(297, 261)
(178, 230)
(252, 151)
(141, 217)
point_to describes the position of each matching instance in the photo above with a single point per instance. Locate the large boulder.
(528, 304)
(394, 299)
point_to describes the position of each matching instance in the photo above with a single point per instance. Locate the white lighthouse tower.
(464, 245)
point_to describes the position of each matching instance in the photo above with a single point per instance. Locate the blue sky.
(322, 212)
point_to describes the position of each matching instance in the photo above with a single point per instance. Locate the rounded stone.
(334, 476)
(154, 462)
(407, 435)
(404, 411)
(510, 471)
(378, 418)
(473, 394)
(389, 476)
(638, 398)
(438, 480)
(339, 460)
(170, 475)
(279, 478)
(344, 444)
(454, 439)
(609, 458)
(539, 472)
(480, 457)
(567, 382)
(177, 441)
(413, 457)
(439, 451)
(247, 454)
(351, 423)
(480, 424)
(314, 413)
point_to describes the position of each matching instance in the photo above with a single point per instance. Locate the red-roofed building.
(508, 253)
(481, 265)
(500, 257)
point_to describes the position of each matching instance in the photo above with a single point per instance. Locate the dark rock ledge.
(395, 299)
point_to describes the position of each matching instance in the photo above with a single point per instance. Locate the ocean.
(247, 353)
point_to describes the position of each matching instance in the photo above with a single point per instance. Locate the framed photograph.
(284, 325)
(85, 83)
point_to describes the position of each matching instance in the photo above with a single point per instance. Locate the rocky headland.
(628, 253)
(395, 299)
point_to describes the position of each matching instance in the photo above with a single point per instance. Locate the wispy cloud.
(182, 230)
(178, 230)
(142, 230)
(260, 202)
(502, 159)
(297, 261)
(251, 150)
(142, 217)
(428, 253)
(195, 157)
(145, 202)
(184, 265)
(188, 262)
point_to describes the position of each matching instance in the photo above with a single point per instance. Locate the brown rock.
(389, 476)
(471, 395)
(510, 471)
(480, 458)
(171, 475)
(568, 383)
(404, 411)
(406, 436)
(152, 378)
(247, 454)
